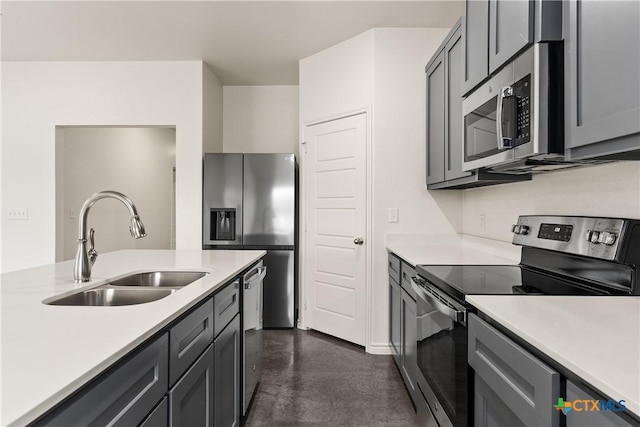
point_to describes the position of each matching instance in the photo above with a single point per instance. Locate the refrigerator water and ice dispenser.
(222, 224)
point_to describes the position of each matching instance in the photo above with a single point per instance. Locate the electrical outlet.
(482, 222)
(393, 214)
(20, 214)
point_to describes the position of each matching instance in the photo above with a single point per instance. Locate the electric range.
(561, 255)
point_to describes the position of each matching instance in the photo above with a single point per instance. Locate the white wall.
(38, 96)
(383, 70)
(610, 190)
(138, 162)
(211, 111)
(260, 119)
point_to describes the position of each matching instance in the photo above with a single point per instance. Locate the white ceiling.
(243, 42)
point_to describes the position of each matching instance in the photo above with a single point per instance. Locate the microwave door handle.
(505, 92)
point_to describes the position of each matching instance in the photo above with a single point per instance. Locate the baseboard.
(383, 349)
(300, 325)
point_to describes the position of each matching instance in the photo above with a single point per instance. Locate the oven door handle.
(436, 299)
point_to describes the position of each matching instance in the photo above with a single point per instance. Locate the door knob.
(358, 241)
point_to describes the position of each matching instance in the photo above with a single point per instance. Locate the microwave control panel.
(522, 92)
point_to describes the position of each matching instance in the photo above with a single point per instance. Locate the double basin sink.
(137, 288)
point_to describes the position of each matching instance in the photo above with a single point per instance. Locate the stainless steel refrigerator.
(250, 202)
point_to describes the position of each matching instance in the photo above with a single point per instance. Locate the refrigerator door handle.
(251, 278)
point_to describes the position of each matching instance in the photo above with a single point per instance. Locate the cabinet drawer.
(123, 396)
(226, 304)
(407, 272)
(394, 267)
(522, 382)
(188, 339)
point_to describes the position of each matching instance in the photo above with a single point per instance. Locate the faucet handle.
(93, 254)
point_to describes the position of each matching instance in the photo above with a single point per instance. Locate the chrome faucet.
(85, 258)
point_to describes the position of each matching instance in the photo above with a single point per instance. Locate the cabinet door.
(227, 375)
(584, 418)
(123, 396)
(191, 399)
(476, 44)
(510, 30)
(517, 380)
(602, 87)
(435, 120)
(489, 408)
(454, 67)
(188, 338)
(159, 417)
(409, 343)
(395, 318)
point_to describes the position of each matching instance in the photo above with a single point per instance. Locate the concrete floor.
(312, 379)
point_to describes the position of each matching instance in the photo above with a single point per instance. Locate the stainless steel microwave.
(514, 122)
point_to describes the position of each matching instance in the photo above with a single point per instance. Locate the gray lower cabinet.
(403, 322)
(191, 400)
(602, 87)
(226, 349)
(395, 318)
(580, 417)
(512, 387)
(159, 417)
(122, 396)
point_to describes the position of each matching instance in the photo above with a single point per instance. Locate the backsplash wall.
(605, 190)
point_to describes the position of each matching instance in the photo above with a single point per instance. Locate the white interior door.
(335, 185)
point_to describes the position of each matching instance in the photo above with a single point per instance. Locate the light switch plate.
(393, 214)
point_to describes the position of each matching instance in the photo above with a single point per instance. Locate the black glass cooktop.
(460, 280)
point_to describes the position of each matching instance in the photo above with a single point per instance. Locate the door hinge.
(305, 226)
(305, 305)
(304, 145)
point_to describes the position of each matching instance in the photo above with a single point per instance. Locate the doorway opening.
(136, 161)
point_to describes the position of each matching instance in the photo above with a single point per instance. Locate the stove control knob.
(515, 228)
(607, 238)
(593, 236)
(524, 229)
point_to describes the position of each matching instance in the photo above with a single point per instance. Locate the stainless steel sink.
(108, 296)
(160, 279)
(137, 288)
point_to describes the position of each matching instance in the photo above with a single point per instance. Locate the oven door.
(443, 374)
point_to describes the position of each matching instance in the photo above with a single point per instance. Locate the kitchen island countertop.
(48, 351)
(596, 338)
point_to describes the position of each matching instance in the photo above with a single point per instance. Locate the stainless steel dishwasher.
(252, 326)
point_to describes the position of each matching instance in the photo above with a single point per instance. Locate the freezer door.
(279, 293)
(222, 199)
(269, 199)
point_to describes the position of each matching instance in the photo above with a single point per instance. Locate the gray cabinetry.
(602, 87)
(159, 417)
(444, 112)
(227, 375)
(495, 31)
(191, 399)
(476, 44)
(587, 418)
(512, 387)
(122, 396)
(189, 338)
(395, 318)
(403, 322)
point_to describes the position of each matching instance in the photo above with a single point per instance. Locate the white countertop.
(451, 249)
(596, 338)
(50, 351)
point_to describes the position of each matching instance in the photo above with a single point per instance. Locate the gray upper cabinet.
(476, 44)
(435, 119)
(444, 111)
(510, 30)
(602, 83)
(495, 31)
